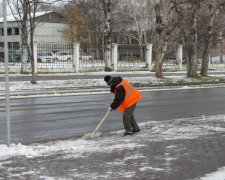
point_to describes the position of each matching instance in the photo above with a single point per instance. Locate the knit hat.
(108, 79)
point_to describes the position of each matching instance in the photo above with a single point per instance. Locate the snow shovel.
(103, 119)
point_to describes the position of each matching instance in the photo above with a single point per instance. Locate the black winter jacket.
(120, 92)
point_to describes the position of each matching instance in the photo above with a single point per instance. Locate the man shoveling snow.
(126, 98)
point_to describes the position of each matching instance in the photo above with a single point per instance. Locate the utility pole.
(6, 57)
(1, 9)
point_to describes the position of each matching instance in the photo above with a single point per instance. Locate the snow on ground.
(76, 83)
(180, 129)
(218, 175)
(111, 142)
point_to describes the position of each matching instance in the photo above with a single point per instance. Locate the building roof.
(11, 18)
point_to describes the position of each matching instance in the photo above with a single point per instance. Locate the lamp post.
(6, 56)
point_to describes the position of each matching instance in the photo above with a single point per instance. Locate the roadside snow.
(78, 83)
(218, 175)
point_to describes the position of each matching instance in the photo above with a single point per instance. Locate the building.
(49, 29)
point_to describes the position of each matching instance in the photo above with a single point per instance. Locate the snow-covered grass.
(148, 80)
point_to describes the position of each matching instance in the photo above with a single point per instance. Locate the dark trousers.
(129, 121)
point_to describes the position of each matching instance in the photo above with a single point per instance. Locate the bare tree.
(107, 10)
(147, 21)
(100, 11)
(93, 20)
(158, 31)
(214, 8)
(133, 21)
(20, 10)
(33, 7)
(24, 11)
(164, 26)
(188, 9)
(75, 22)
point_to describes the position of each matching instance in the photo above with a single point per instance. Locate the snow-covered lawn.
(77, 83)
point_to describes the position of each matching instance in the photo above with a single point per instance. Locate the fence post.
(115, 55)
(76, 61)
(149, 56)
(179, 56)
(35, 58)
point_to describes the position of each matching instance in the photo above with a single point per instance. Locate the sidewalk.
(179, 149)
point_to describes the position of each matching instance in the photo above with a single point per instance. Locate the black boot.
(128, 133)
(136, 130)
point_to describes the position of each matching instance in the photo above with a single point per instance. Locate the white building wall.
(50, 33)
(44, 33)
(13, 37)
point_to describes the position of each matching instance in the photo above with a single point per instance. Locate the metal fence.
(131, 56)
(61, 56)
(51, 55)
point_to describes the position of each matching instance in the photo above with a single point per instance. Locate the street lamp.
(6, 56)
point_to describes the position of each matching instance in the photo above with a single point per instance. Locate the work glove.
(110, 109)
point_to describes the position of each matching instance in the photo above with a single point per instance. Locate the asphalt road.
(48, 118)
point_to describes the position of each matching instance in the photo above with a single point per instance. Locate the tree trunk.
(24, 37)
(32, 28)
(192, 70)
(107, 31)
(34, 79)
(24, 59)
(158, 70)
(189, 41)
(158, 46)
(208, 44)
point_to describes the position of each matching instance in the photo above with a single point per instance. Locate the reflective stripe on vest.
(132, 95)
(130, 89)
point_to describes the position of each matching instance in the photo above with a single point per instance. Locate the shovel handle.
(103, 119)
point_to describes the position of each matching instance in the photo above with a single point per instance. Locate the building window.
(17, 31)
(10, 45)
(16, 45)
(9, 31)
(1, 32)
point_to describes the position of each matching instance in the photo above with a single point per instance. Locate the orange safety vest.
(132, 95)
